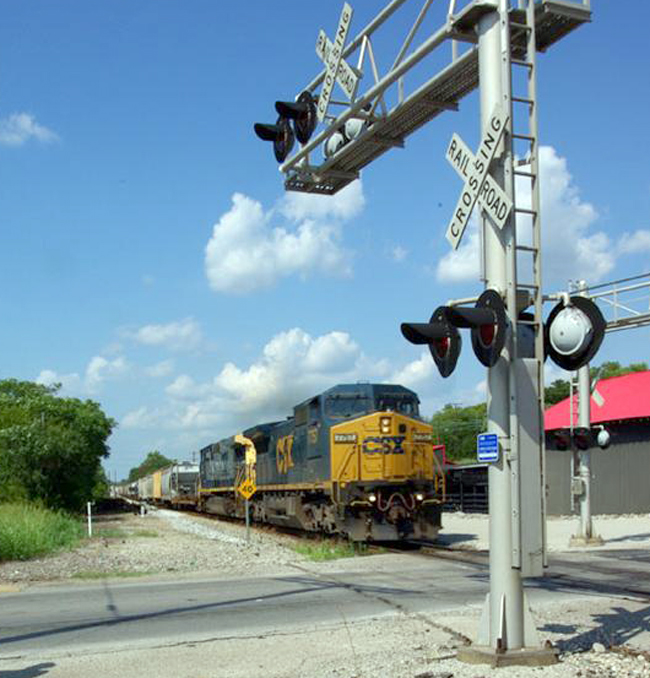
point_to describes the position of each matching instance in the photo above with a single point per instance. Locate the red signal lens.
(487, 334)
(442, 346)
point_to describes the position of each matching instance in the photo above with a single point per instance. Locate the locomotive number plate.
(345, 438)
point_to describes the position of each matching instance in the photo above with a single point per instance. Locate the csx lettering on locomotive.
(383, 445)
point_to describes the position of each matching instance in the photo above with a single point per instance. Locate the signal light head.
(582, 437)
(562, 439)
(573, 334)
(280, 134)
(302, 112)
(488, 339)
(440, 335)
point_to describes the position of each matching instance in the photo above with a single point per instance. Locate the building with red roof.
(621, 473)
(624, 399)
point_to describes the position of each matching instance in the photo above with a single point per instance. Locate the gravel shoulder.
(160, 543)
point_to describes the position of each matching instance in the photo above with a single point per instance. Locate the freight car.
(179, 485)
(356, 460)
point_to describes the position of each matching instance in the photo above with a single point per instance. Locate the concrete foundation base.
(594, 540)
(524, 657)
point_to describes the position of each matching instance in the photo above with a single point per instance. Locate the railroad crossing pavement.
(470, 531)
(397, 610)
(397, 614)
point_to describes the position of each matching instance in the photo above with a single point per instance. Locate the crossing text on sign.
(486, 150)
(492, 197)
(346, 77)
(334, 60)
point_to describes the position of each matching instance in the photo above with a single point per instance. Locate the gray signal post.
(505, 625)
(508, 32)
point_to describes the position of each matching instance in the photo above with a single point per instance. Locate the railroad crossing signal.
(492, 197)
(334, 58)
(487, 322)
(477, 174)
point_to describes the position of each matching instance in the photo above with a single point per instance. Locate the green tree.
(614, 369)
(50, 447)
(153, 462)
(102, 484)
(457, 427)
(557, 391)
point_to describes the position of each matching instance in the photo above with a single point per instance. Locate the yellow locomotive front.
(387, 477)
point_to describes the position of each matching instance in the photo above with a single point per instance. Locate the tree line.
(51, 448)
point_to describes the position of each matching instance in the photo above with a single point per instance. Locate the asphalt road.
(67, 618)
(60, 619)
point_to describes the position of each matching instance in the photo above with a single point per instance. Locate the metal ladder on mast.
(521, 178)
(522, 170)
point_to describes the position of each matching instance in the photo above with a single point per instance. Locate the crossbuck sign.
(479, 184)
(337, 69)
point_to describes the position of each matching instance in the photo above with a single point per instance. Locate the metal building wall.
(620, 475)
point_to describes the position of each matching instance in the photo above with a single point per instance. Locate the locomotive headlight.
(372, 497)
(419, 496)
(385, 424)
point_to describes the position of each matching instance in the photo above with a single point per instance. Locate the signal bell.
(487, 321)
(573, 333)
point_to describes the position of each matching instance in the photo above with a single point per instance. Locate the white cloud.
(570, 249)
(19, 128)
(98, 371)
(634, 243)
(247, 253)
(462, 264)
(162, 369)
(481, 389)
(292, 366)
(69, 382)
(416, 372)
(141, 418)
(183, 335)
(399, 253)
(343, 205)
(101, 369)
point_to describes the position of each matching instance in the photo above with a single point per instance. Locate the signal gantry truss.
(383, 127)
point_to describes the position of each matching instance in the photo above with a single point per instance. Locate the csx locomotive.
(356, 460)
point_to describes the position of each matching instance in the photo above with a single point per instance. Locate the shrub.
(27, 531)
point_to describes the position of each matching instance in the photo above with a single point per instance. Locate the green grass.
(28, 531)
(330, 550)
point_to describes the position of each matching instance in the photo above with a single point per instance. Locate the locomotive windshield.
(398, 403)
(342, 406)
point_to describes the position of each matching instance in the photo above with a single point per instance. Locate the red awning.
(626, 397)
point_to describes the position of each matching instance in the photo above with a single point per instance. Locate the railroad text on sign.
(491, 197)
(469, 195)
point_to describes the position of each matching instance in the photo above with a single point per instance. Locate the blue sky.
(150, 259)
